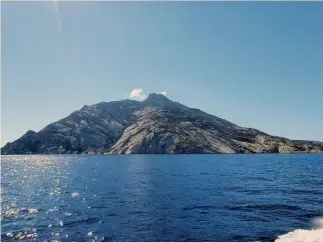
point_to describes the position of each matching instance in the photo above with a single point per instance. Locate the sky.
(256, 64)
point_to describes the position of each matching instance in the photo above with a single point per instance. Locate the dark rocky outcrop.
(156, 125)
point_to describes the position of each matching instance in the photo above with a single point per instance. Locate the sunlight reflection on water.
(164, 198)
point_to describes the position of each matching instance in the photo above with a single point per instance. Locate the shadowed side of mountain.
(176, 131)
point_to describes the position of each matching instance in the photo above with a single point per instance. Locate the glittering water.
(161, 197)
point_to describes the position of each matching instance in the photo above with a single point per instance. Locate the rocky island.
(156, 125)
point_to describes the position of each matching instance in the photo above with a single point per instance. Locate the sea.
(229, 197)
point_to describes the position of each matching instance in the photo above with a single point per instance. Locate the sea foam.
(302, 235)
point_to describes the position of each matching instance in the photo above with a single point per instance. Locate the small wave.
(302, 235)
(27, 233)
(245, 207)
(202, 207)
(265, 207)
(136, 212)
(273, 206)
(257, 178)
(85, 221)
(52, 210)
(307, 191)
(75, 194)
(19, 211)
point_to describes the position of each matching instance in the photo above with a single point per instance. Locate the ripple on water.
(15, 211)
(75, 194)
(52, 210)
(27, 233)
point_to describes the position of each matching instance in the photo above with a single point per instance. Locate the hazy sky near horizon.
(257, 64)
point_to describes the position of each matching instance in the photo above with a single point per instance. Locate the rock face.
(155, 126)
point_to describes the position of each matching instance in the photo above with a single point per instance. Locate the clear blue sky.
(257, 64)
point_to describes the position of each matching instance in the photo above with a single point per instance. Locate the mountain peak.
(30, 132)
(157, 95)
(156, 98)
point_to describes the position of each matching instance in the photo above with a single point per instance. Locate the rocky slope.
(156, 125)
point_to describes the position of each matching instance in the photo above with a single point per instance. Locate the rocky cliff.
(155, 126)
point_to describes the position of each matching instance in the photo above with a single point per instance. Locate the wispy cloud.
(164, 93)
(137, 93)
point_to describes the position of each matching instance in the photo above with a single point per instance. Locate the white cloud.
(137, 93)
(164, 93)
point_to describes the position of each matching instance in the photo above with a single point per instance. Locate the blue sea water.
(159, 197)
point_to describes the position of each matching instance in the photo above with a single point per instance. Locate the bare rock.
(155, 126)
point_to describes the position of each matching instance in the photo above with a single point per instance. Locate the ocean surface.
(162, 198)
